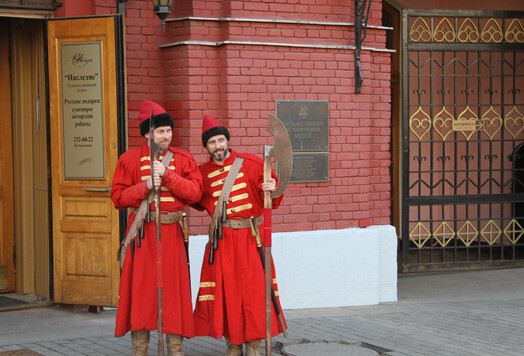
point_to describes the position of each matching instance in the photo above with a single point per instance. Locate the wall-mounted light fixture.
(162, 10)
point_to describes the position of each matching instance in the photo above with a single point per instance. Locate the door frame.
(70, 287)
(7, 240)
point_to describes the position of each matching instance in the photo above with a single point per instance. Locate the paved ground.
(448, 314)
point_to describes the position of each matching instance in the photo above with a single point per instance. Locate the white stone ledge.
(327, 268)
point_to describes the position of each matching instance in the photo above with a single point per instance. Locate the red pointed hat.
(210, 128)
(160, 116)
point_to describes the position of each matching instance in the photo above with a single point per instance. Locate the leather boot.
(174, 345)
(140, 342)
(233, 350)
(253, 348)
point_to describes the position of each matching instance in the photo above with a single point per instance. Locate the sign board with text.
(307, 122)
(82, 110)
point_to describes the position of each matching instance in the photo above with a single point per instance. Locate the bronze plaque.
(307, 123)
(310, 167)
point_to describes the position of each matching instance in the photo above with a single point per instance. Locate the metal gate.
(463, 134)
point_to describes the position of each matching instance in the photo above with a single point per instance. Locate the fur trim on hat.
(158, 120)
(217, 130)
(211, 127)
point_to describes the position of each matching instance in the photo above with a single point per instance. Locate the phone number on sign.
(83, 139)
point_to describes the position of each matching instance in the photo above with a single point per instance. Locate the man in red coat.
(231, 299)
(180, 185)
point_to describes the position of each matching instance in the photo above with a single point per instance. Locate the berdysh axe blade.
(282, 152)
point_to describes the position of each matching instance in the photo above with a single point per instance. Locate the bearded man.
(180, 184)
(231, 299)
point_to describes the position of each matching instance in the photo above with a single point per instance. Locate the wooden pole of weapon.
(154, 156)
(159, 257)
(255, 233)
(268, 204)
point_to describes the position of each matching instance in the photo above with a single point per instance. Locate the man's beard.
(163, 145)
(219, 154)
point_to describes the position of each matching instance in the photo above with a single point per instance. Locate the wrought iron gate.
(463, 134)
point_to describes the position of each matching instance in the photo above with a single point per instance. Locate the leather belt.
(241, 223)
(169, 217)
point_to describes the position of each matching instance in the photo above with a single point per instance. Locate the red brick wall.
(239, 83)
(76, 8)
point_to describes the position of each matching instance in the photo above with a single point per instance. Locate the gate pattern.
(463, 135)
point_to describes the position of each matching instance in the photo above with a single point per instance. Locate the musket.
(281, 151)
(154, 152)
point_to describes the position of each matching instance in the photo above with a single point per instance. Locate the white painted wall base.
(327, 268)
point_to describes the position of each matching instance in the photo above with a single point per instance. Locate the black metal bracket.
(361, 23)
(121, 6)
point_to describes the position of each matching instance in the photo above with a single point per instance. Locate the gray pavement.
(446, 313)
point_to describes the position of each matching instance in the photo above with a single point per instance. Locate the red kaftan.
(138, 298)
(231, 299)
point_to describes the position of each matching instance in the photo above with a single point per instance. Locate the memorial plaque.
(310, 167)
(307, 123)
(82, 110)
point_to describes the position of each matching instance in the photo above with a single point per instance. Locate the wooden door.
(30, 157)
(7, 269)
(84, 153)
